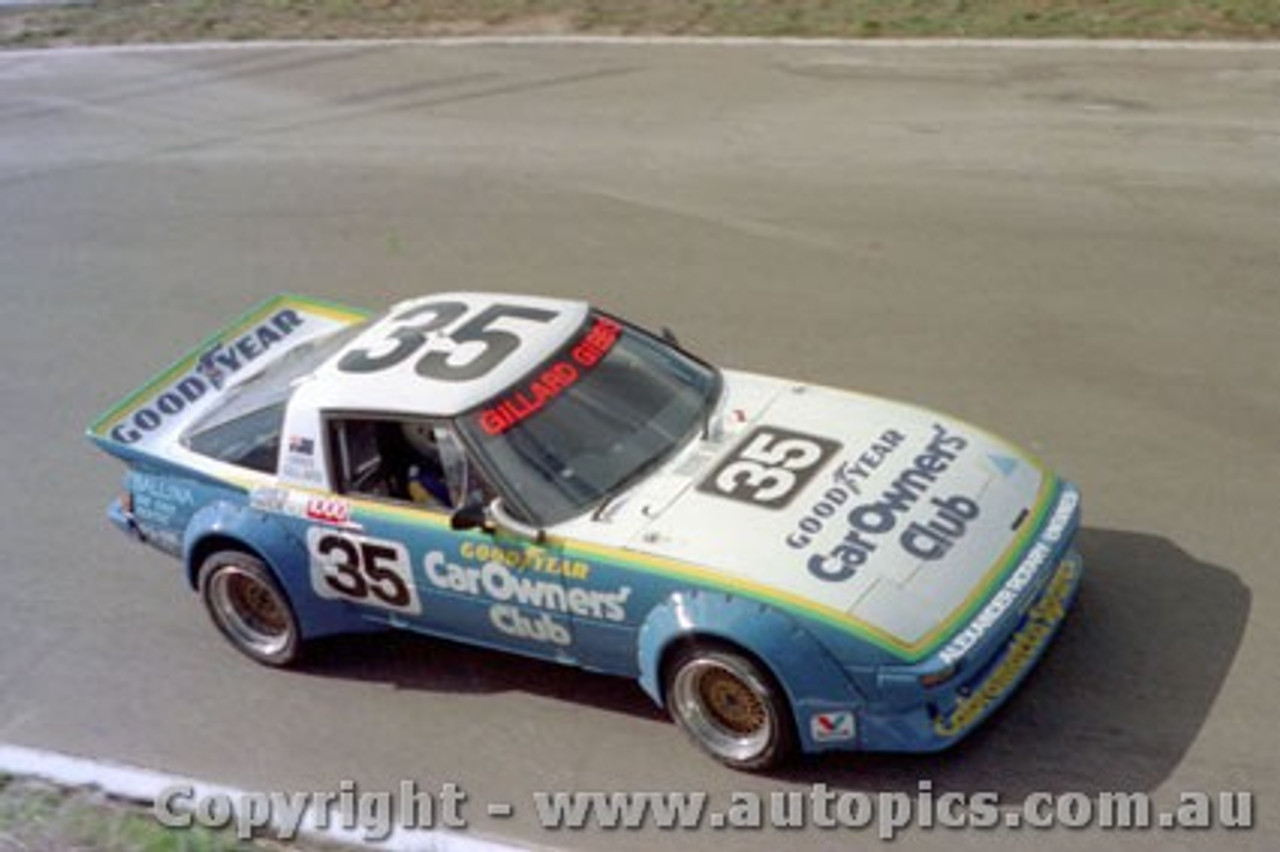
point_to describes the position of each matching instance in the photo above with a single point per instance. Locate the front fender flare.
(811, 678)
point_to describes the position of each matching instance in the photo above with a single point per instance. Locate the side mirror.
(670, 336)
(503, 520)
(469, 517)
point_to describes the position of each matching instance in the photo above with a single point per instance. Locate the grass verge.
(134, 21)
(36, 816)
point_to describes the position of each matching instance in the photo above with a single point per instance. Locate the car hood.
(851, 506)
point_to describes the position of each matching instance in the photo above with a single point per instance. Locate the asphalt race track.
(1077, 248)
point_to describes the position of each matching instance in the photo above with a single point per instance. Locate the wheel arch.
(224, 525)
(699, 638)
(808, 675)
(201, 549)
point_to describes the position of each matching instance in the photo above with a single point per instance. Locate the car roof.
(381, 370)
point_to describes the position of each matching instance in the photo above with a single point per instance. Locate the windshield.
(610, 405)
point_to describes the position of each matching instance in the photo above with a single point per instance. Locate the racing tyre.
(731, 707)
(249, 608)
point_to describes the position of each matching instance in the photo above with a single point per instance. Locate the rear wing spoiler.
(164, 406)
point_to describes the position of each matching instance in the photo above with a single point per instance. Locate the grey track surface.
(1077, 249)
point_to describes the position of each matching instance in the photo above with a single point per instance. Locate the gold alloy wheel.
(731, 702)
(724, 703)
(250, 611)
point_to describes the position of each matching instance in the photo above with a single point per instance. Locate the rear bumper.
(124, 520)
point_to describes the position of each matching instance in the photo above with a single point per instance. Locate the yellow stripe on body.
(629, 560)
(910, 651)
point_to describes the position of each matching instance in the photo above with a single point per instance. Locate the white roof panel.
(443, 354)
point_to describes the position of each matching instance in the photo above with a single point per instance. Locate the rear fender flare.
(223, 524)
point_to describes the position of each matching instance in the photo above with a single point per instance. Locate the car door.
(398, 559)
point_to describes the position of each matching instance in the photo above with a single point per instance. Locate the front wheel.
(249, 608)
(730, 707)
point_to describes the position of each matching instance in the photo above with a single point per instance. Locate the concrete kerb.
(144, 786)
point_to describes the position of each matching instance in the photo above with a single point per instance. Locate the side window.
(357, 460)
(251, 440)
(415, 461)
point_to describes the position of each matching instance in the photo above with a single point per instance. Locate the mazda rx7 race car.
(785, 567)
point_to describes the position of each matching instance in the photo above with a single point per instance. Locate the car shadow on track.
(1117, 700)
(1114, 706)
(415, 662)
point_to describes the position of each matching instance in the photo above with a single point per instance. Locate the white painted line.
(1055, 44)
(145, 785)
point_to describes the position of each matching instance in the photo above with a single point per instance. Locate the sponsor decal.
(1062, 518)
(1004, 465)
(209, 374)
(845, 485)
(537, 392)
(836, 726)
(769, 467)
(362, 570)
(496, 581)
(525, 559)
(302, 446)
(303, 469)
(539, 628)
(161, 489)
(330, 510)
(870, 520)
(300, 504)
(1054, 529)
(158, 501)
(165, 540)
(269, 499)
(932, 539)
(300, 460)
(1023, 649)
(208, 369)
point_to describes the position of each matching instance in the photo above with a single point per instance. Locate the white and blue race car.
(784, 567)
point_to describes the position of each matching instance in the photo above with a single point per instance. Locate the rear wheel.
(249, 608)
(730, 706)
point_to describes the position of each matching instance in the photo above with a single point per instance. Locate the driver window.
(418, 461)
